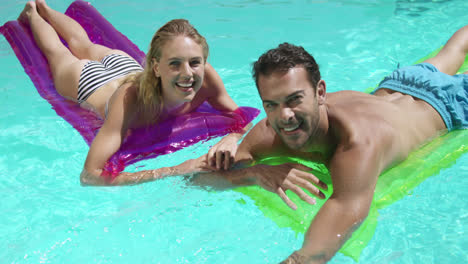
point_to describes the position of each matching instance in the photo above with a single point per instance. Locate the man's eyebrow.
(300, 92)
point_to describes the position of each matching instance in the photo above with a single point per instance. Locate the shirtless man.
(357, 135)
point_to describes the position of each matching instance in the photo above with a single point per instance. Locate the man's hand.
(221, 155)
(290, 176)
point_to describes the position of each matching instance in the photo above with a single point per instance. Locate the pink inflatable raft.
(166, 137)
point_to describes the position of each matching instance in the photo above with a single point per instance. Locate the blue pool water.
(47, 217)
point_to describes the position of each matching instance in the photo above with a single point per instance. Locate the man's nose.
(286, 114)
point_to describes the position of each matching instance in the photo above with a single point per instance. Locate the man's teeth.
(288, 129)
(185, 85)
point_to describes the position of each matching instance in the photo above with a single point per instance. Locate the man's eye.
(195, 63)
(269, 106)
(295, 100)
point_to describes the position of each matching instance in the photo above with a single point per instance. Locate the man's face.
(291, 105)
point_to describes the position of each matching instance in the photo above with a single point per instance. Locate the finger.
(311, 178)
(210, 159)
(227, 160)
(219, 159)
(300, 166)
(305, 183)
(285, 198)
(231, 162)
(204, 165)
(304, 196)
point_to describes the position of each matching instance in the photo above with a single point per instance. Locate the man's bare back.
(395, 122)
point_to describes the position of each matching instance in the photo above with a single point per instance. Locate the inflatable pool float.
(165, 137)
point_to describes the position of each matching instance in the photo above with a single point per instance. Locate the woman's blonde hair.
(149, 92)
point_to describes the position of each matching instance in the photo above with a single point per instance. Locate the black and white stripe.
(96, 74)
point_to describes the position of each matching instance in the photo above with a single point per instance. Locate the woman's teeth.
(185, 85)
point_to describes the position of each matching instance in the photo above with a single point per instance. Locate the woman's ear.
(321, 92)
(155, 65)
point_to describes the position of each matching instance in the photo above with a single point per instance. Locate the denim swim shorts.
(446, 93)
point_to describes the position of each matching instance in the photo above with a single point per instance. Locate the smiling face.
(181, 69)
(292, 105)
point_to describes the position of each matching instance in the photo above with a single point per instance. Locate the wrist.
(294, 258)
(235, 135)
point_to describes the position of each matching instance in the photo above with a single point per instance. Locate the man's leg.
(453, 54)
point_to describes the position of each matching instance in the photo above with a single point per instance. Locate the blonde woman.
(176, 80)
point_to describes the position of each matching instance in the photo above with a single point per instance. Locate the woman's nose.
(186, 70)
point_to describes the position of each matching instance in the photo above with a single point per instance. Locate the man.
(357, 135)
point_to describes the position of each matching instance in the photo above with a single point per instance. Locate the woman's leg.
(72, 32)
(453, 54)
(65, 67)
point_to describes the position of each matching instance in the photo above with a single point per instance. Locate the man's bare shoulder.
(262, 141)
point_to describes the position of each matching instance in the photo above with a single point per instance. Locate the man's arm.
(354, 173)
(262, 141)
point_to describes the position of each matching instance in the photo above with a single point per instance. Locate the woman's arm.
(109, 138)
(218, 97)
(221, 155)
(132, 178)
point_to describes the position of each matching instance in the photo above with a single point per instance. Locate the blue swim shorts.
(446, 93)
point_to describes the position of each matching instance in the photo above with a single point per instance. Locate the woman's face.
(181, 69)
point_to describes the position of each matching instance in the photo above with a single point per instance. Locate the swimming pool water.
(47, 217)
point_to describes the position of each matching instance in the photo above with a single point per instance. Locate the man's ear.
(321, 92)
(155, 65)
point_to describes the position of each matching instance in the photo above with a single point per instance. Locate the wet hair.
(286, 56)
(149, 93)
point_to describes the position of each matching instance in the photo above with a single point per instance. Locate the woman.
(175, 81)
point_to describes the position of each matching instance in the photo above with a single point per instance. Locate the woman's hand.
(221, 156)
(191, 166)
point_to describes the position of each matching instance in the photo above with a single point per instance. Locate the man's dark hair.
(283, 58)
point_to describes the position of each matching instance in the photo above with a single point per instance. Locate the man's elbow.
(358, 216)
(355, 209)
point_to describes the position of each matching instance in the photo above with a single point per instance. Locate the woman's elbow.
(90, 179)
